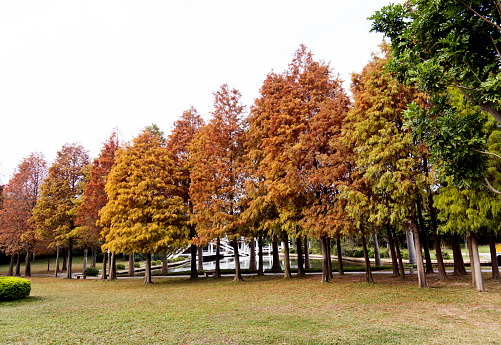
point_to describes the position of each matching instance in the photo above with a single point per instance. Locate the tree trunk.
(261, 262)
(94, 257)
(399, 255)
(132, 269)
(494, 260)
(326, 277)
(368, 271)
(339, 255)
(147, 269)
(300, 268)
(105, 261)
(217, 274)
(252, 259)
(200, 251)
(238, 273)
(193, 263)
(11, 266)
(65, 261)
(424, 238)
(57, 261)
(85, 259)
(377, 255)
(459, 268)
(442, 275)
(48, 264)
(423, 282)
(27, 267)
(165, 263)
(476, 263)
(287, 263)
(18, 265)
(113, 268)
(392, 251)
(276, 258)
(306, 254)
(329, 257)
(472, 258)
(410, 246)
(70, 260)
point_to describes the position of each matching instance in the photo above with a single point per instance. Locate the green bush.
(91, 271)
(120, 266)
(405, 255)
(179, 258)
(12, 288)
(137, 265)
(157, 257)
(446, 256)
(383, 253)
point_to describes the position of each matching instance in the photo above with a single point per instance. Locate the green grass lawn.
(260, 310)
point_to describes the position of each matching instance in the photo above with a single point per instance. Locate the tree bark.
(377, 255)
(287, 263)
(27, 267)
(306, 253)
(18, 265)
(147, 269)
(424, 237)
(200, 252)
(329, 257)
(399, 255)
(368, 271)
(165, 263)
(476, 263)
(326, 277)
(132, 269)
(392, 251)
(442, 275)
(300, 267)
(65, 261)
(339, 255)
(494, 260)
(217, 274)
(410, 246)
(238, 273)
(48, 264)
(70, 260)
(276, 258)
(105, 261)
(57, 261)
(252, 259)
(85, 259)
(260, 271)
(423, 281)
(459, 268)
(193, 263)
(113, 268)
(94, 257)
(472, 258)
(11, 266)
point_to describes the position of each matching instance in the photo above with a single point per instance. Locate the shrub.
(157, 257)
(137, 265)
(384, 253)
(91, 271)
(12, 288)
(446, 256)
(405, 255)
(120, 266)
(139, 257)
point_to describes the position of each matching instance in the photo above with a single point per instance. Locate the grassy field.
(260, 310)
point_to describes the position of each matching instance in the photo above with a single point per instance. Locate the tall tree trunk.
(459, 268)
(260, 271)
(70, 261)
(329, 256)
(217, 274)
(424, 237)
(399, 255)
(147, 269)
(276, 257)
(368, 271)
(165, 263)
(252, 259)
(48, 264)
(423, 281)
(494, 260)
(339, 255)
(57, 261)
(132, 269)
(472, 258)
(18, 265)
(326, 277)
(200, 252)
(27, 267)
(392, 251)
(306, 253)
(113, 267)
(238, 273)
(287, 263)
(65, 261)
(476, 263)
(442, 275)
(11, 266)
(94, 257)
(410, 246)
(105, 261)
(85, 259)
(377, 255)
(193, 263)
(300, 268)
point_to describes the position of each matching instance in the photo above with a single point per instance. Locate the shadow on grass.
(23, 301)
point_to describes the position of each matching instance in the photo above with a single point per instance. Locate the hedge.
(12, 288)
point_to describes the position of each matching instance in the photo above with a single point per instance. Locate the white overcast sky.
(72, 71)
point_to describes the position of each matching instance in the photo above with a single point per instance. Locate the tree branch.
(481, 16)
(498, 5)
(492, 189)
(495, 47)
(488, 153)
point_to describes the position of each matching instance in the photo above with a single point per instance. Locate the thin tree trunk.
(368, 271)
(132, 269)
(200, 252)
(261, 261)
(300, 268)
(424, 238)
(70, 260)
(65, 261)
(57, 261)
(476, 262)
(410, 246)
(11, 266)
(306, 253)
(193, 263)
(147, 269)
(287, 263)
(472, 258)
(27, 267)
(113, 268)
(339, 255)
(326, 277)
(252, 259)
(165, 263)
(329, 257)
(94, 257)
(105, 262)
(442, 275)
(377, 255)
(238, 273)
(399, 255)
(392, 251)
(18, 265)
(459, 268)
(85, 259)
(494, 260)
(423, 282)
(276, 258)
(48, 264)
(217, 274)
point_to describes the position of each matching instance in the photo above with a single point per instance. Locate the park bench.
(83, 276)
(207, 274)
(411, 269)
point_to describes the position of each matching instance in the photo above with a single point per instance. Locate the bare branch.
(492, 189)
(495, 47)
(498, 5)
(488, 153)
(481, 16)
